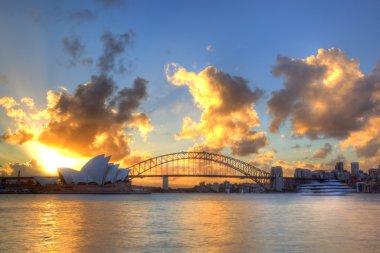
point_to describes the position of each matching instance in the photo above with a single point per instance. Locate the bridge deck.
(198, 175)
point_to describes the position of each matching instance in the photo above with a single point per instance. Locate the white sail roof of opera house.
(97, 170)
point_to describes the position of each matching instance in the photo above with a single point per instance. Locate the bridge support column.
(278, 180)
(165, 183)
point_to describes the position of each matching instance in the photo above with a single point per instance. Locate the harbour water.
(189, 223)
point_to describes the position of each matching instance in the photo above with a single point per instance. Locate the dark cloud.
(3, 79)
(338, 158)
(74, 47)
(93, 120)
(35, 15)
(97, 118)
(250, 144)
(81, 16)
(31, 168)
(324, 151)
(113, 46)
(87, 61)
(295, 146)
(112, 3)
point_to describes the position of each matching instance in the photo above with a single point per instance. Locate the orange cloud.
(327, 96)
(266, 159)
(93, 120)
(30, 168)
(322, 95)
(323, 152)
(365, 141)
(228, 117)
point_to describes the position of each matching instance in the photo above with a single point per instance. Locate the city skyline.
(99, 77)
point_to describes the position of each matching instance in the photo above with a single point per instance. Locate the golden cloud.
(30, 168)
(93, 120)
(327, 96)
(228, 117)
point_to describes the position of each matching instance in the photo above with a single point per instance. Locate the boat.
(325, 188)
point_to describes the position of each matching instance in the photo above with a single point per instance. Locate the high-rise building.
(354, 168)
(339, 166)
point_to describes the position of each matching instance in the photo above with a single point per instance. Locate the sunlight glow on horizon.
(51, 159)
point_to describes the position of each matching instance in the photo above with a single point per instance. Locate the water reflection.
(188, 223)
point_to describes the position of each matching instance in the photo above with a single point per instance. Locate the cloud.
(25, 116)
(30, 168)
(366, 141)
(19, 137)
(339, 158)
(323, 152)
(112, 3)
(97, 118)
(264, 159)
(228, 117)
(81, 16)
(136, 157)
(295, 146)
(289, 166)
(93, 120)
(326, 96)
(322, 96)
(73, 47)
(4, 79)
(114, 45)
(87, 61)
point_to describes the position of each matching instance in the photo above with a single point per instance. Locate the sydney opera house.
(97, 171)
(96, 176)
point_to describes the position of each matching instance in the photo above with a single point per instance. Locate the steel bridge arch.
(247, 170)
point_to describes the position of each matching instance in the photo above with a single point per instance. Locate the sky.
(290, 83)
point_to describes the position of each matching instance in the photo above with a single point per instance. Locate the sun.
(51, 159)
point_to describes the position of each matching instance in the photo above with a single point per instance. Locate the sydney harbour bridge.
(204, 164)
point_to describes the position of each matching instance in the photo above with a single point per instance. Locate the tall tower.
(339, 166)
(354, 168)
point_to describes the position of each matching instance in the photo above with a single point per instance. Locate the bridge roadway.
(199, 175)
(221, 176)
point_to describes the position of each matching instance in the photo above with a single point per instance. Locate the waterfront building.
(98, 171)
(43, 181)
(339, 166)
(354, 169)
(374, 173)
(302, 173)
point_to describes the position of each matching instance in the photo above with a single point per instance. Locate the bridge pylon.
(165, 183)
(277, 178)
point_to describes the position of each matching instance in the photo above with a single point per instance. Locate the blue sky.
(243, 37)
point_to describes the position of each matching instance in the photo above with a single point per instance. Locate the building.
(339, 166)
(96, 176)
(302, 173)
(97, 171)
(374, 173)
(354, 169)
